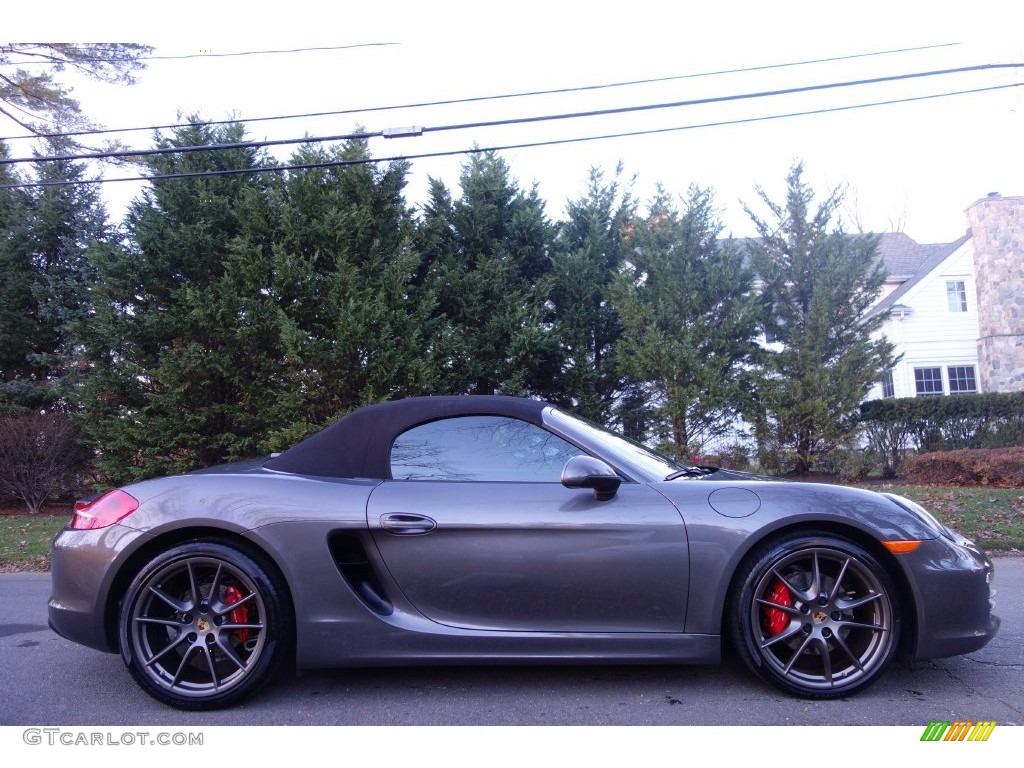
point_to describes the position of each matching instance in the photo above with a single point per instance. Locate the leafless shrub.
(39, 453)
(1002, 467)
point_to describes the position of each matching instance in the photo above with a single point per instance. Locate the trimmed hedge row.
(894, 426)
(1002, 467)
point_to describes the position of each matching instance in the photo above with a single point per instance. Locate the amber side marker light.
(104, 510)
(901, 547)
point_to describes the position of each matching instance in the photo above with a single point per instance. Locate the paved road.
(45, 680)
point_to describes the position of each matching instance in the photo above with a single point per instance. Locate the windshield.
(618, 450)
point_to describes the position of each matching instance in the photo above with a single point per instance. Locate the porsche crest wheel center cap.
(203, 625)
(820, 617)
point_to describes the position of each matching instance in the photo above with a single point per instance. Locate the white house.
(957, 309)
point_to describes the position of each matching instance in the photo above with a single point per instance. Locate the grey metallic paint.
(515, 571)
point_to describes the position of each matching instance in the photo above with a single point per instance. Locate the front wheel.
(204, 625)
(816, 616)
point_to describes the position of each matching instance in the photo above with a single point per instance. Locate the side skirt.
(344, 645)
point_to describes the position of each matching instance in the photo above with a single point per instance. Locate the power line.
(720, 99)
(512, 121)
(472, 99)
(193, 148)
(505, 147)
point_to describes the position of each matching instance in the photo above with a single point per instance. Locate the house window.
(888, 390)
(928, 381)
(961, 379)
(956, 295)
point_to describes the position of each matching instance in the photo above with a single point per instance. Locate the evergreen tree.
(17, 306)
(489, 273)
(589, 256)
(182, 347)
(45, 269)
(353, 325)
(689, 316)
(817, 283)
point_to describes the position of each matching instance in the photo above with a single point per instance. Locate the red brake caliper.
(775, 620)
(239, 615)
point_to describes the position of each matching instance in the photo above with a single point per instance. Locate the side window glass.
(482, 448)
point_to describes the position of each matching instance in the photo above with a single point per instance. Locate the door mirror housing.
(588, 472)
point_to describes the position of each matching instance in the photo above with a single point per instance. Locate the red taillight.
(111, 507)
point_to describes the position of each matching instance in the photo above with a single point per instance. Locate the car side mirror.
(588, 472)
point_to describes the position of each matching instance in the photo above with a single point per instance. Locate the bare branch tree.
(38, 455)
(32, 96)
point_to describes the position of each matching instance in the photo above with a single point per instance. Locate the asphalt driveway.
(46, 680)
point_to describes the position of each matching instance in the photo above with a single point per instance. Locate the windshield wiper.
(691, 472)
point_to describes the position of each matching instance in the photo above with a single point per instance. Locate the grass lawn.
(991, 517)
(25, 541)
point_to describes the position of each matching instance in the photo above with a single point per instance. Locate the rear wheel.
(815, 615)
(204, 625)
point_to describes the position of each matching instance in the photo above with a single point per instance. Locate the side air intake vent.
(354, 566)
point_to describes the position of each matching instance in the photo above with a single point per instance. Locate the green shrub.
(851, 465)
(894, 426)
(729, 457)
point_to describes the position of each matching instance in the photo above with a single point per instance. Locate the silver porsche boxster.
(480, 529)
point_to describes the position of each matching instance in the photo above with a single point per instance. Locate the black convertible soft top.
(359, 445)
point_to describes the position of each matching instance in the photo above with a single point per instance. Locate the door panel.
(534, 556)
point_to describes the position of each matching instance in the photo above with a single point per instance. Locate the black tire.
(815, 615)
(204, 625)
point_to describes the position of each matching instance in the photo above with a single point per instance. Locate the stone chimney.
(997, 232)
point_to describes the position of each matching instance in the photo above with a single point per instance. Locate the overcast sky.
(912, 166)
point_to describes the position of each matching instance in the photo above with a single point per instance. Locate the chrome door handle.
(408, 524)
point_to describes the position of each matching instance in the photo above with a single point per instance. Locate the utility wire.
(720, 99)
(511, 121)
(505, 147)
(472, 99)
(196, 148)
